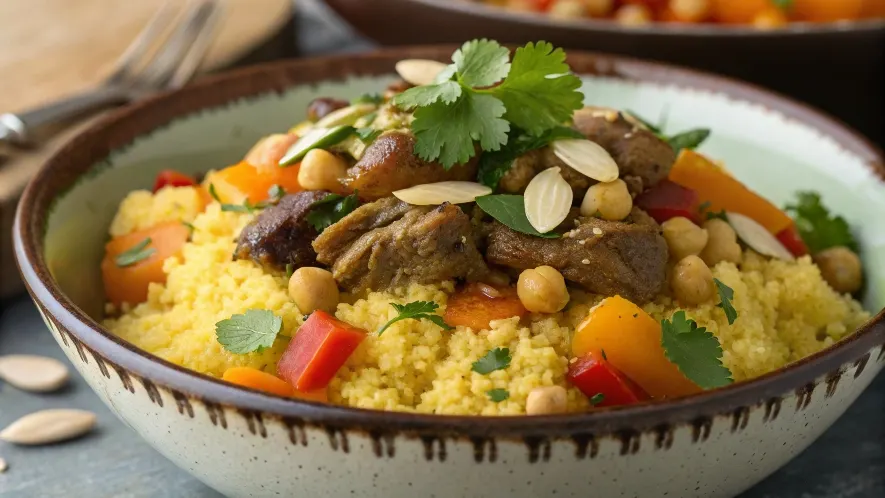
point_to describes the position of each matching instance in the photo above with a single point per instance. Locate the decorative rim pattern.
(122, 127)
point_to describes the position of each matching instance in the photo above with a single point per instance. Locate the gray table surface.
(847, 461)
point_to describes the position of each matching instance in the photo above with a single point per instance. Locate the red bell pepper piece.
(668, 200)
(172, 178)
(318, 350)
(594, 376)
(791, 239)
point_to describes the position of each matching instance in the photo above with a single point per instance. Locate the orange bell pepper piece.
(826, 10)
(722, 191)
(630, 339)
(263, 381)
(235, 184)
(130, 283)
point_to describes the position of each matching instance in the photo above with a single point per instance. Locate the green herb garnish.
(331, 209)
(369, 98)
(482, 93)
(713, 215)
(275, 193)
(695, 351)
(254, 330)
(510, 210)
(367, 135)
(726, 294)
(245, 207)
(495, 359)
(597, 398)
(690, 139)
(290, 269)
(818, 228)
(416, 310)
(783, 4)
(134, 254)
(494, 165)
(498, 395)
(190, 227)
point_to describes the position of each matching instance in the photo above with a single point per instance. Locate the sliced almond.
(33, 373)
(587, 158)
(419, 72)
(548, 199)
(3, 466)
(49, 426)
(757, 237)
(432, 194)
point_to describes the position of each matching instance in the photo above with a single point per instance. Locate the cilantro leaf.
(691, 139)
(495, 359)
(416, 310)
(695, 351)
(368, 135)
(597, 398)
(481, 63)
(136, 253)
(447, 131)
(540, 92)
(368, 98)
(494, 165)
(498, 395)
(254, 330)
(818, 228)
(510, 211)
(275, 193)
(726, 294)
(712, 215)
(330, 210)
(656, 129)
(421, 96)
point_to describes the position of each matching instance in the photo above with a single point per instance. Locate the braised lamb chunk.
(421, 245)
(281, 235)
(606, 257)
(390, 164)
(640, 154)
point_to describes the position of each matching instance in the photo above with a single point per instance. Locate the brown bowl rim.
(125, 125)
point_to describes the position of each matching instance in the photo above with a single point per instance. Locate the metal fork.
(134, 75)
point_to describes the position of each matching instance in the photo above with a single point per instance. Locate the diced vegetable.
(318, 350)
(595, 376)
(817, 227)
(790, 238)
(631, 340)
(270, 149)
(668, 200)
(317, 138)
(723, 192)
(263, 381)
(244, 182)
(129, 283)
(476, 305)
(172, 178)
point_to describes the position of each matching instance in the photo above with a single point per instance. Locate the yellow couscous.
(786, 312)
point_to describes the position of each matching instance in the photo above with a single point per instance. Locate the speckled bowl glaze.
(244, 443)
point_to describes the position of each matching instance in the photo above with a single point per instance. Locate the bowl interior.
(775, 155)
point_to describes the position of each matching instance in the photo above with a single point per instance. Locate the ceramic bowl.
(244, 443)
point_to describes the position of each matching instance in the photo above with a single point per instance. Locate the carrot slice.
(129, 283)
(630, 339)
(476, 305)
(235, 184)
(263, 381)
(722, 191)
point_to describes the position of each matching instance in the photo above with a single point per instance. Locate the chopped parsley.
(482, 94)
(498, 395)
(695, 351)
(494, 165)
(726, 294)
(713, 215)
(190, 227)
(331, 209)
(275, 193)
(254, 330)
(597, 398)
(510, 210)
(136, 253)
(246, 206)
(818, 228)
(369, 98)
(416, 310)
(495, 359)
(691, 139)
(290, 269)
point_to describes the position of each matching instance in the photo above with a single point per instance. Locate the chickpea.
(722, 243)
(567, 9)
(549, 400)
(611, 201)
(690, 10)
(692, 281)
(313, 289)
(321, 170)
(841, 268)
(598, 8)
(633, 15)
(542, 290)
(683, 237)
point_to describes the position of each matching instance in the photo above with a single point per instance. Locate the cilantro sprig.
(495, 359)
(274, 193)
(498, 395)
(726, 294)
(136, 253)
(818, 228)
(482, 94)
(690, 139)
(695, 351)
(255, 330)
(416, 310)
(331, 209)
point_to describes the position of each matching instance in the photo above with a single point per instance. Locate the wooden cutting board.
(52, 48)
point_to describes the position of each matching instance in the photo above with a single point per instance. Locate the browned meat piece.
(424, 245)
(638, 152)
(533, 162)
(281, 235)
(323, 106)
(390, 164)
(606, 257)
